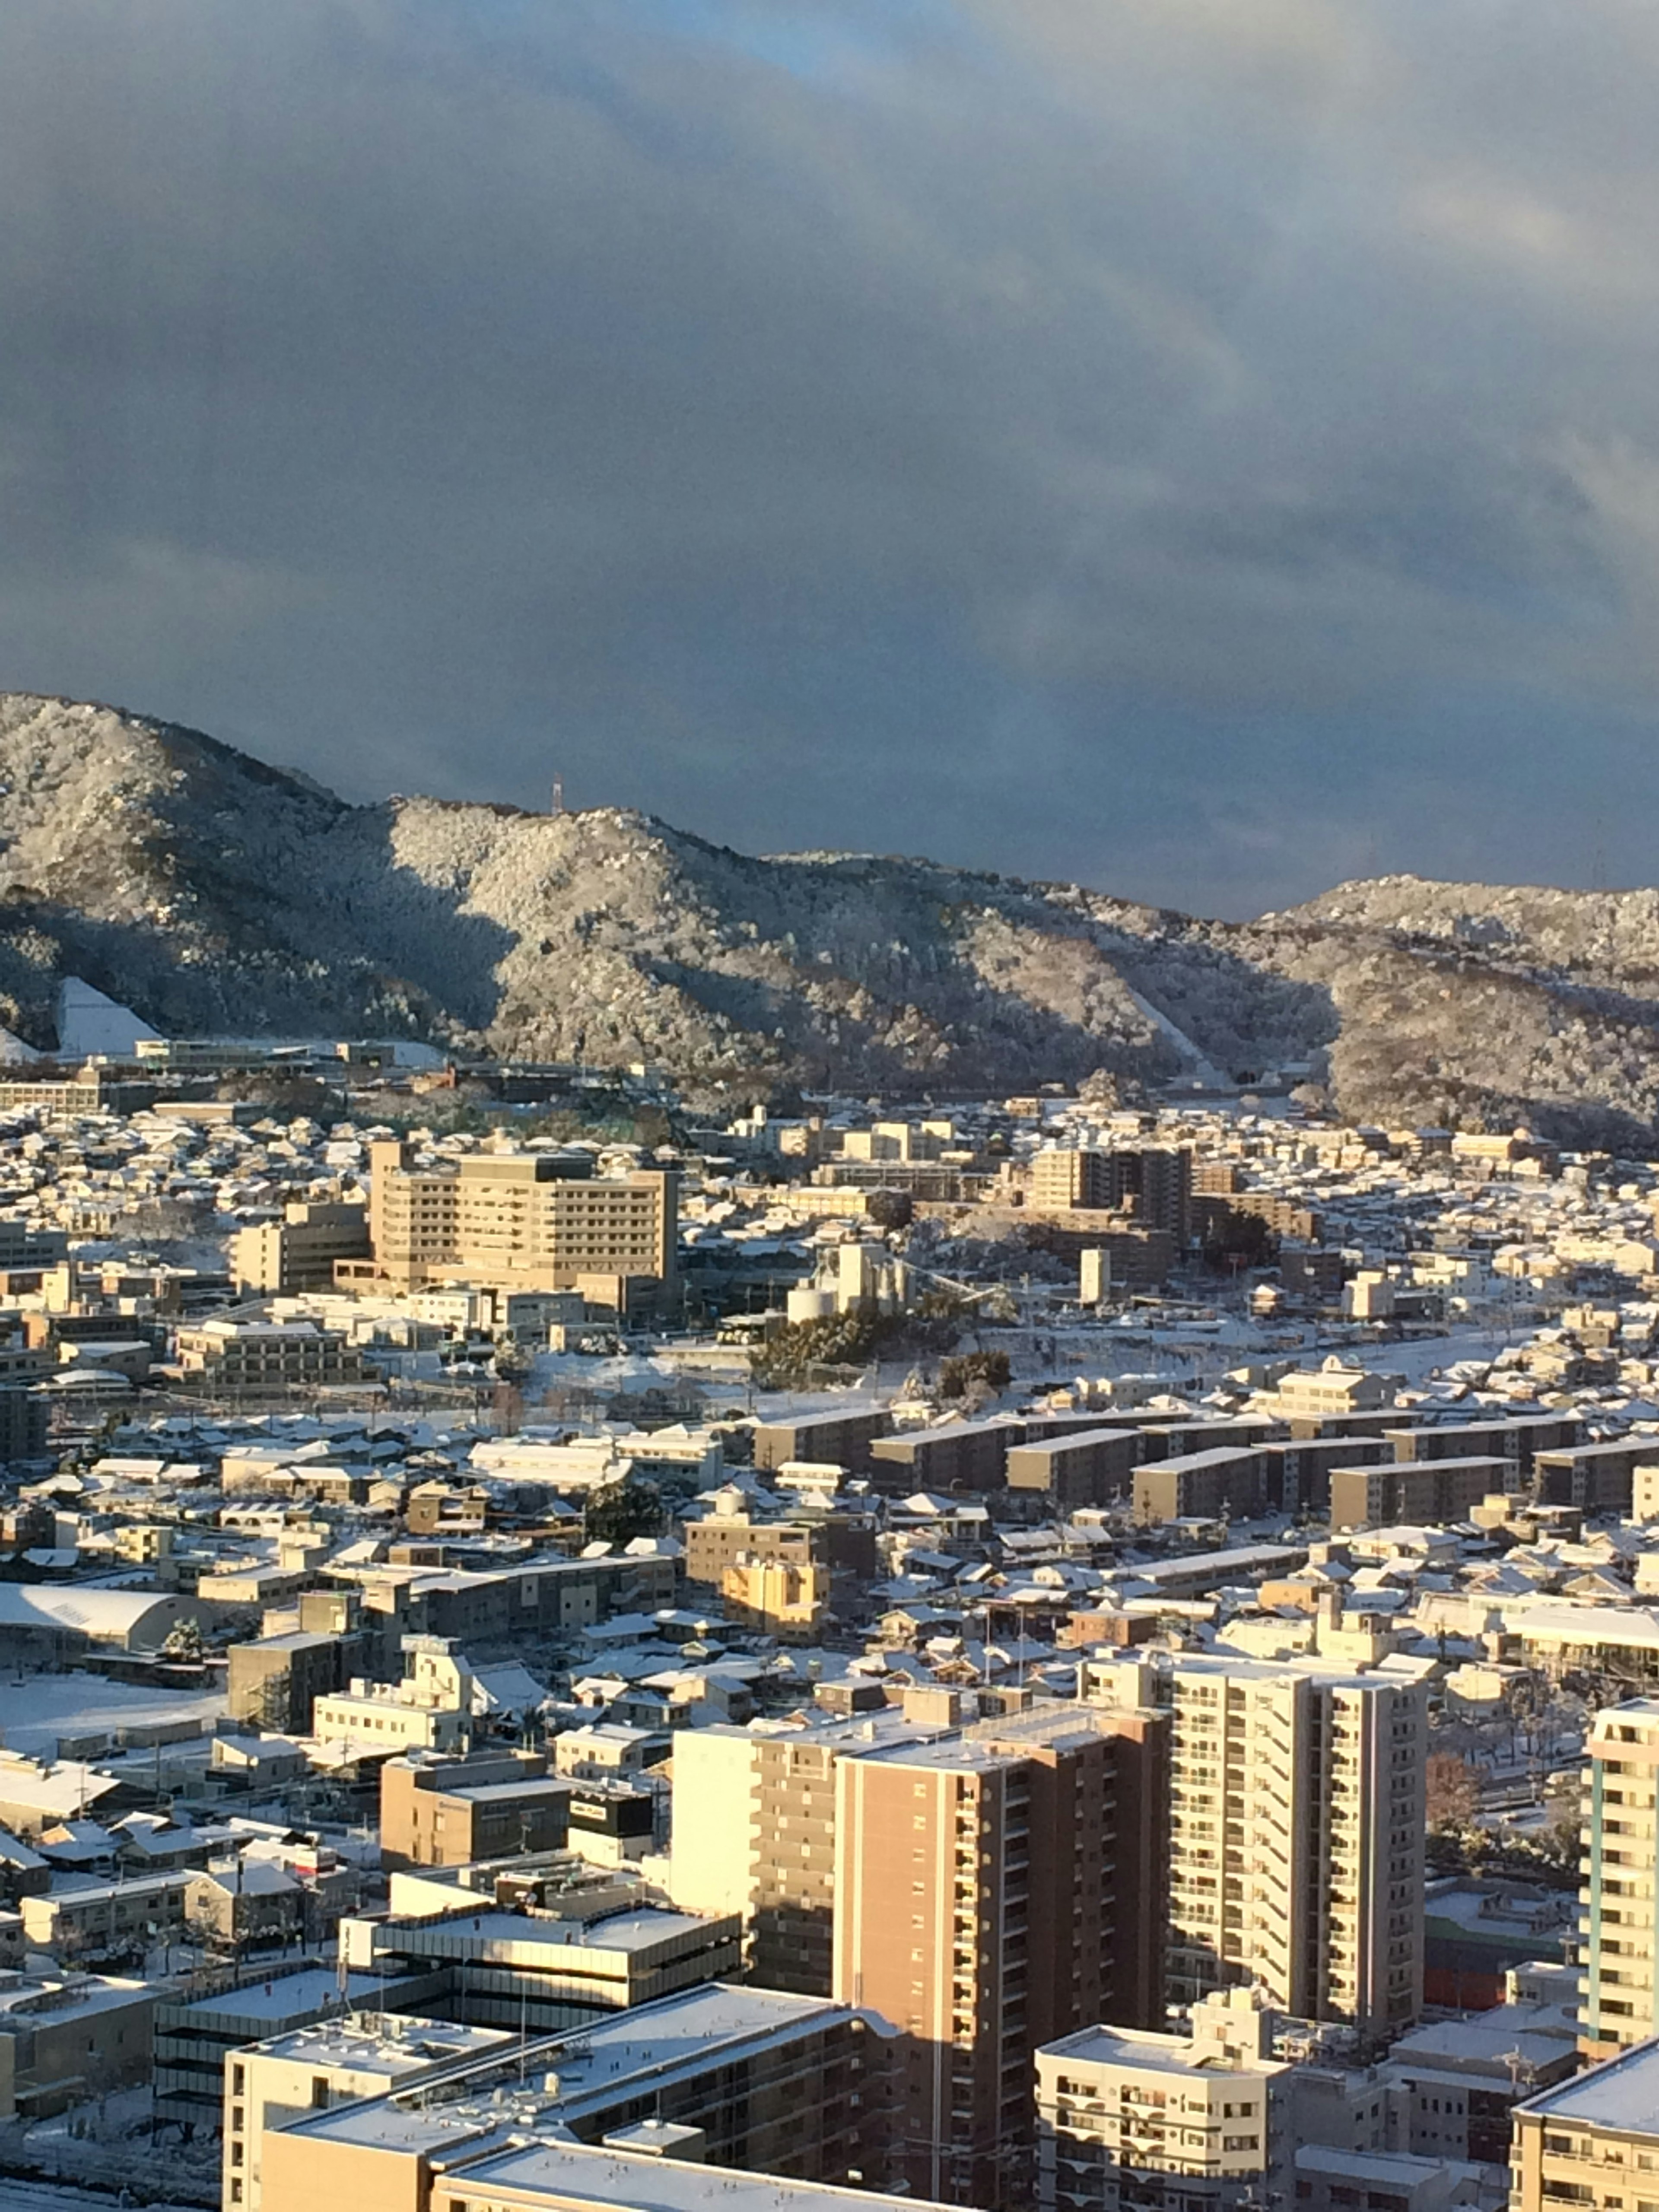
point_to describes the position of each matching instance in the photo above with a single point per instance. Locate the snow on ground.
(17, 2195)
(35, 1709)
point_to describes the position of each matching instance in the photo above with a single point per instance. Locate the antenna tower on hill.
(558, 794)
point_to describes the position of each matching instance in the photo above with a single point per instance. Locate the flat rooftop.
(579, 2175)
(385, 2042)
(1622, 2095)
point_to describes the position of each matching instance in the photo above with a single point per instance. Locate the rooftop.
(579, 2175)
(384, 2043)
(1623, 2094)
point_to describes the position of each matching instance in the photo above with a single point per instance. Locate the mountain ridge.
(213, 892)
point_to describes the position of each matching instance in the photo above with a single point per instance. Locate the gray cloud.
(1207, 450)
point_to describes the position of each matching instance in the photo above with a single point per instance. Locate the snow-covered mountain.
(207, 891)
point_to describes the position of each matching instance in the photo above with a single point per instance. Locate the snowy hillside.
(206, 892)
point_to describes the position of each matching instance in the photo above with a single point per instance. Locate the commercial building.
(328, 2063)
(454, 1811)
(196, 2035)
(1163, 2123)
(430, 1710)
(1297, 1825)
(743, 2097)
(521, 1221)
(1618, 1954)
(554, 1965)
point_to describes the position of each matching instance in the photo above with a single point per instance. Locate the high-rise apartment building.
(521, 1221)
(1296, 1827)
(1153, 1182)
(1619, 1985)
(979, 1907)
(754, 1833)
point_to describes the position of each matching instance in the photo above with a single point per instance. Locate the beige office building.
(520, 1221)
(1296, 1828)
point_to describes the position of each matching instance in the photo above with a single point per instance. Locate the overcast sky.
(1207, 448)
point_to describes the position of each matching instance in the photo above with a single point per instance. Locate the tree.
(1452, 1790)
(625, 1510)
(957, 1377)
(184, 1641)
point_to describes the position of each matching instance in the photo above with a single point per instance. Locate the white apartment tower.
(1296, 1836)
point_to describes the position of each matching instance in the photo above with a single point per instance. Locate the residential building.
(275, 1682)
(778, 1598)
(977, 1908)
(836, 1439)
(263, 1358)
(1297, 1824)
(1618, 1954)
(1091, 1469)
(298, 1252)
(1428, 1492)
(1225, 1482)
(1193, 2122)
(64, 2041)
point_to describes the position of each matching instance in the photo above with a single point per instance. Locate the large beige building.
(1619, 1985)
(260, 1359)
(521, 1221)
(1296, 1828)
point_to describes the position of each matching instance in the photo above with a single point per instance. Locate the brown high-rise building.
(985, 1902)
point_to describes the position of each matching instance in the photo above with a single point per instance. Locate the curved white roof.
(96, 1612)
